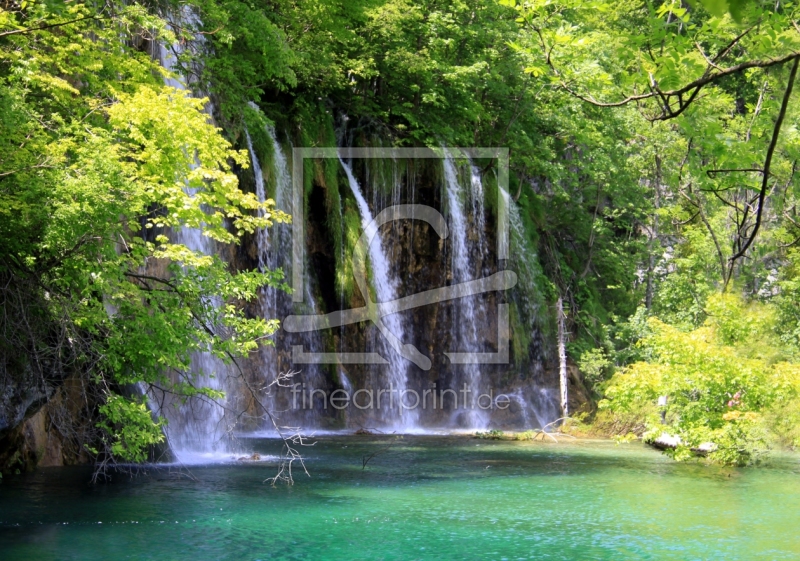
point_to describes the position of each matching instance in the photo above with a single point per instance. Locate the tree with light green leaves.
(712, 87)
(99, 162)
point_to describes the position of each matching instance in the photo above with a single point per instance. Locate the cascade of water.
(524, 259)
(347, 386)
(200, 427)
(275, 251)
(466, 212)
(385, 285)
(536, 402)
(196, 429)
(283, 198)
(262, 240)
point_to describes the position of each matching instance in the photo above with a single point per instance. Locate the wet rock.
(254, 458)
(666, 441)
(705, 448)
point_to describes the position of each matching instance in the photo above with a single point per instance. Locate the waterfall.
(468, 246)
(262, 240)
(196, 429)
(200, 428)
(536, 402)
(524, 260)
(274, 248)
(385, 285)
(344, 381)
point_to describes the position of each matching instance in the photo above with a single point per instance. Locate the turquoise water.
(425, 498)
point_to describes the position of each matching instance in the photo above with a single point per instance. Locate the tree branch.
(712, 172)
(48, 26)
(694, 87)
(768, 161)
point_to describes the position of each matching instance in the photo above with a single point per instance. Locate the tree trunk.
(562, 360)
(653, 243)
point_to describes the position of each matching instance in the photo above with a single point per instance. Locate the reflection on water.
(423, 497)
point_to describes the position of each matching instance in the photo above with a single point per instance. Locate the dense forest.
(653, 156)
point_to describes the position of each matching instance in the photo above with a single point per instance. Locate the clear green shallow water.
(427, 498)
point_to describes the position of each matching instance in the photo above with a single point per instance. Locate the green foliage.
(493, 434)
(719, 7)
(788, 303)
(595, 366)
(248, 50)
(100, 163)
(130, 428)
(783, 420)
(719, 379)
(698, 155)
(625, 438)
(526, 435)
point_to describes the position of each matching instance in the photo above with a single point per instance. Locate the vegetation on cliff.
(99, 157)
(654, 149)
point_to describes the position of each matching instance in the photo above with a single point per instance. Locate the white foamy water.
(385, 286)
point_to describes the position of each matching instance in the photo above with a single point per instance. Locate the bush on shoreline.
(730, 382)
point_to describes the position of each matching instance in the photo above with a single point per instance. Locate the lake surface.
(425, 497)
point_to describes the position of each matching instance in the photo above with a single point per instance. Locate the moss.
(256, 124)
(490, 190)
(351, 230)
(520, 334)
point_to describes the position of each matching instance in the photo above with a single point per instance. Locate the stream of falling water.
(468, 244)
(196, 429)
(395, 415)
(275, 251)
(540, 402)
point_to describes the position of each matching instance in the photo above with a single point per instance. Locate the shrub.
(719, 379)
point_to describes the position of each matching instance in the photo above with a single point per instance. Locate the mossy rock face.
(28, 444)
(420, 261)
(23, 391)
(22, 443)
